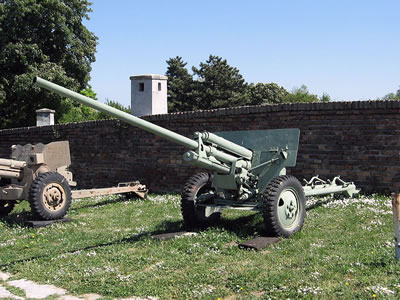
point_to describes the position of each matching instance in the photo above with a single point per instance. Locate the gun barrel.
(11, 163)
(10, 173)
(237, 151)
(10, 168)
(128, 118)
(227, 145)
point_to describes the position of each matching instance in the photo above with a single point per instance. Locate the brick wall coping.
(241, 110)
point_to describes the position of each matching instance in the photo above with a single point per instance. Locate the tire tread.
(190, 189)
(35, 195)
(270, 198)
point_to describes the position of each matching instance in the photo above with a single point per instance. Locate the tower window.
(159, 86)
(141, 86)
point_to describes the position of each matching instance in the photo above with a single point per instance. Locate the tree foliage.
(45, 38)
(215, 84)
(392, 96)
(266, 93)
(218, 84)
(301, 95)
(180, 84)
(76, 112)
(115, 104)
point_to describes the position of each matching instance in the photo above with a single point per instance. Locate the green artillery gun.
(248, 171)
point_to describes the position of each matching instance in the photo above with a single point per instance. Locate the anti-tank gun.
(38, 173)
(248, 171)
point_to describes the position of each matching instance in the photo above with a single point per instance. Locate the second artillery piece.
(40, 174)
(248, 171)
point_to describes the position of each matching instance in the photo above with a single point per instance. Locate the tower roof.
(148, 76)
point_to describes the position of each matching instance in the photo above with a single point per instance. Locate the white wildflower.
(381, 290)
(200, 291)
(91, 253)
(8, 243)
(109, 269)
(309, 290)
(123, 278)
(315, 275)
(319, 244)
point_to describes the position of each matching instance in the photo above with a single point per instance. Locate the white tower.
(148, 95)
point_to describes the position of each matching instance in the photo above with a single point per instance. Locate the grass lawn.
(345, 250)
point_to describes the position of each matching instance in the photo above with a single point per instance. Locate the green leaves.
(45, 38)
(392, 96)
(180, 83)
(76, 112)
(302, 94)
(216, 84)
(266, 93)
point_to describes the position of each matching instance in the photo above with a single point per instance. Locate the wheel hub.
(288, 208)
(54, 196)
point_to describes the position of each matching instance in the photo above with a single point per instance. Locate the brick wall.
(358, 140)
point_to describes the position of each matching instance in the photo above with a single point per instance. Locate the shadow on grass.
(18, 218)
(112, 200)
(133, 238)
(243, 227)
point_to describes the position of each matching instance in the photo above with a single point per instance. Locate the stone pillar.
(45, 117)
(148, 95)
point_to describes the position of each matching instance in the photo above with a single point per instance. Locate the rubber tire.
(6, 207)
(36, 199)
(193, 216)
(272, 200)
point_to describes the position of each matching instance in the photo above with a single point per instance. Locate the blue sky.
(347, 49)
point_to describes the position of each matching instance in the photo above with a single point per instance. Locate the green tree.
(180, 83)
(115, 104)
(325, 98)
(45, 38)
(266, 93)
(76, 112)
(218, 85)
(392, 96)
(299, 95)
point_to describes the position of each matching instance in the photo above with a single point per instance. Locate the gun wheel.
(50, 196)
(6, 207)
(284, 206)
(193, 215)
